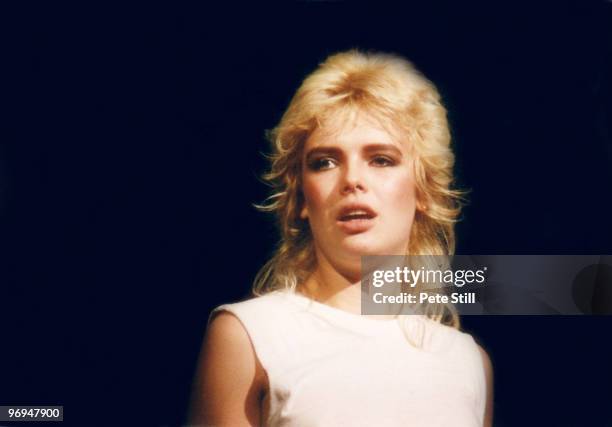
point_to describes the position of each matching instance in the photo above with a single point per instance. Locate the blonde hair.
(389, 88)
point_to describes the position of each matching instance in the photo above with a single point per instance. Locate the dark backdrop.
(130, 159)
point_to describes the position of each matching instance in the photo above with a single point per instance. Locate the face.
(359, 190)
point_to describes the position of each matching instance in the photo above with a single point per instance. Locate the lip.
(355, 226)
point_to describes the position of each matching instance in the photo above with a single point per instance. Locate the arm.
(488, 368)
(230, 379)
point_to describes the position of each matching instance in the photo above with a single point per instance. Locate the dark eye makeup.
(321, 163)
(382, 161)
(324, 163)
(377, 155)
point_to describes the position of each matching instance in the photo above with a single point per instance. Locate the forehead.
(354, 128)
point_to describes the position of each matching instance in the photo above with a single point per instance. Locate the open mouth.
(356, 215)
(356, 212)
(356, 218)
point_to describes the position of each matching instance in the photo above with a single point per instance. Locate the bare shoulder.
(230, 351)
(230, 379)
(486, 360)
(225, 329)
(488, 369)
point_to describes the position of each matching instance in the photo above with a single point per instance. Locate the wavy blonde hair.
(389, 88)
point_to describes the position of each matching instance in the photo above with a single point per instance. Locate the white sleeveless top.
(329, 367)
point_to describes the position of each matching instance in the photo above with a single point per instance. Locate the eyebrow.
(370, 148)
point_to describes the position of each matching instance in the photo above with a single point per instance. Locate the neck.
(334, 287)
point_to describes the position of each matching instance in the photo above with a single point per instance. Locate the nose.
(352, 179)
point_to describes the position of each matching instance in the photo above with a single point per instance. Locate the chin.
(364, 248)
(367, 244)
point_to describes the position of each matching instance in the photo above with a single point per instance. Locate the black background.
(130, 156)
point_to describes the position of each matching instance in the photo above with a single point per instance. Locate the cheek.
(316, 191)
(400, 192)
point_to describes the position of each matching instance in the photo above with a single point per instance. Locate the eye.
(383, 161)
(322, 164)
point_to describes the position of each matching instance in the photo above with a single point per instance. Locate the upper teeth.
(357, 212)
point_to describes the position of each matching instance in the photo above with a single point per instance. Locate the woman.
(361, 165)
